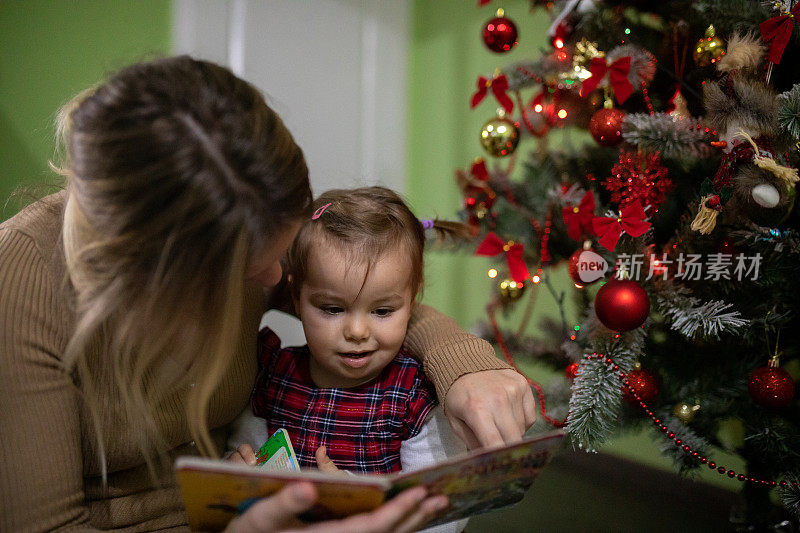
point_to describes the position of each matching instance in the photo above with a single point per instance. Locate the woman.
(131, 302)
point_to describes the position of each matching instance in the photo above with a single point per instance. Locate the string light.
(492, 273)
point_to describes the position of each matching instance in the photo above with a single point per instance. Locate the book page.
(483, 480)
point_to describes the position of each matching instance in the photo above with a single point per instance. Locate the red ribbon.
(479, 171)
(579, 219)
(779, 31)
(499, 87)
(492, 245)
(631, 219)
(617, 76)
(482, 3)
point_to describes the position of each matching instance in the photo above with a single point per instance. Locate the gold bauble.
(585, 51)
(684, 412)
(709, 49)
(500, 136)
(510, 290)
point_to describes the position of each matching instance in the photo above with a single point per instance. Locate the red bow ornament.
(609, 229)
(499, 85)
(492, 245)
(617, 77)
(778, 30)
(578, 219)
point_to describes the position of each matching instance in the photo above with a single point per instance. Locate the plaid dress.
(362, 427)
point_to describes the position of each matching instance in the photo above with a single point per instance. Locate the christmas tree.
(675, 220)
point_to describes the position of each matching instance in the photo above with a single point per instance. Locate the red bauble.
(571, 371)
(771, 387)
(644, 383)
(500, 34)
(586, 266)
(606, 126)
(622, 305)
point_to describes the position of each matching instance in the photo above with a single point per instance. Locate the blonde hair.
(177, 174)
(364, 223)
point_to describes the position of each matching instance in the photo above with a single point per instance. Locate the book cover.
(216, 491)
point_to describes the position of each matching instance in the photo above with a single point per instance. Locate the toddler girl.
(354, 270)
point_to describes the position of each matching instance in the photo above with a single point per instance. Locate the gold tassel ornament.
(706, 218)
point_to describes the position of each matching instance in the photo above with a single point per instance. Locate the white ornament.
(766, 195)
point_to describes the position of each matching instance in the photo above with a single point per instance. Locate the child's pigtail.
(447, 229)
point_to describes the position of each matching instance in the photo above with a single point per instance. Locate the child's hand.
(244, 454)
(324, 462)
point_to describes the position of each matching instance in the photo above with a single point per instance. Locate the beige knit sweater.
(49, 472)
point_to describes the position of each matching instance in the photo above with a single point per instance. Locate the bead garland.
(678, 442)
(647, 99)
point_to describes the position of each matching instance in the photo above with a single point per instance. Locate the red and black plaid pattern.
(361, 427)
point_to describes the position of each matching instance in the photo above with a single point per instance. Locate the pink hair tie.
(427, 224)
(319, 211)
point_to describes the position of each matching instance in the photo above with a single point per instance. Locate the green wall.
(51, 50)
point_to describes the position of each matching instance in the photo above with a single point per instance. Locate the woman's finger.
(387, 518)
(481, 425)
(529, 408)
(464, 433)
(276, 512)
(508, 426)
(423, 514)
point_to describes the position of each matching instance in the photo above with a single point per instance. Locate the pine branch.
(677, 139)
(684, 463)
(747, 14)
(595, 405)
(790, 494)
(694, 319)
(789, 112)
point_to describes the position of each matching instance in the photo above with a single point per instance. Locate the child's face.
(354, 327)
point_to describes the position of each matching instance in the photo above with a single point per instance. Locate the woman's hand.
(490, 408)
(408, 511)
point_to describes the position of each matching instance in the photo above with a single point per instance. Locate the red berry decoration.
(500, 33)
(606, 126)
(571, 371)
(771, 386)
(622, 305)
(644, 383)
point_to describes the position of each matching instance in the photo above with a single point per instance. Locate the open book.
(216, 491)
